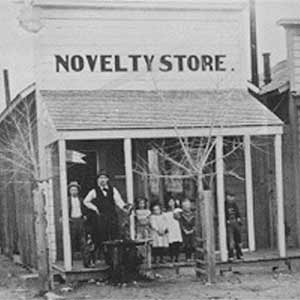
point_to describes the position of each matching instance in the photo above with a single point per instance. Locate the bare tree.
(193, 158)
(188, 158)
(20, 167)
(18, 140)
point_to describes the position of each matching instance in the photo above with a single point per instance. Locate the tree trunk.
(205, 233)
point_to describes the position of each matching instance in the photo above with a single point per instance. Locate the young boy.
(187, 223)
(76, 217)
(233, 222)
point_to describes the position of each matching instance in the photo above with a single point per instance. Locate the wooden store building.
(112, 77)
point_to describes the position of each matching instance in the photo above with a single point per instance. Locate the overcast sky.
(16, 49)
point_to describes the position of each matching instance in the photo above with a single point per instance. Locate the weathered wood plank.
(249, 193)
(279, 196)
(64, 205)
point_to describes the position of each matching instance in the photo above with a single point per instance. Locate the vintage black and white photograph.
(149, 149)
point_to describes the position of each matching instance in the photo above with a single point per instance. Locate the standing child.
(159, 229)
(142, 218)
(187, 222)
(174, 231)
(233, 222)
(76, 218)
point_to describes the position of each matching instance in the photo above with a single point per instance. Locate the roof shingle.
(116, 109)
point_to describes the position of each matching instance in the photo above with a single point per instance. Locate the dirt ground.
(271, 281)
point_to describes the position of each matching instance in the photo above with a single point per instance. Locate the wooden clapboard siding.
(294, 56)
(7, 214)
(291, 148)
(4, 213)
(2, 223)
(293, 53)
(289, 183)
(25, 224)
(17, 212)
(262, 152)
(129, 31)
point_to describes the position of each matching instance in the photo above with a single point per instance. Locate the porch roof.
(115, 109)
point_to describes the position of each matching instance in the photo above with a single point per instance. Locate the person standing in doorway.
(76, 217)
(102, 201)
(233, 222)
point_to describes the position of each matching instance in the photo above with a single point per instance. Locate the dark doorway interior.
(84, 173)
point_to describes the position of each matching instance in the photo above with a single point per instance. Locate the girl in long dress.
(159, 228)
(142, 219)
(174, 231)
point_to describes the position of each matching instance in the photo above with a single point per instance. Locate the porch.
(114, 139)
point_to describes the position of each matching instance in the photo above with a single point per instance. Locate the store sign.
(140, 62)
(124, 50)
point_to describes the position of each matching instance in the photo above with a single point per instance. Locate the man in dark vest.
(102, 201)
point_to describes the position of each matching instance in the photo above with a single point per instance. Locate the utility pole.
(6, 87)
(253, 44)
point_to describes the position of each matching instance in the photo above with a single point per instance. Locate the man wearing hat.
(102, 201)
(76, 209)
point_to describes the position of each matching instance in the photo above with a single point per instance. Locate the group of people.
(169, 230)
(174, 228)
(94, 220)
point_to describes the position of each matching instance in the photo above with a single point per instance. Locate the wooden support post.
(149, 255)
(221, 198)
(64, 206)
(279, 196)
(129, 180)
(50, 208)
(249, 193)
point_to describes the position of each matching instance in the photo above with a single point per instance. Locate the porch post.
(129, 180)
(221, 198)
(249, 193)
(279, 196)
(64, 205)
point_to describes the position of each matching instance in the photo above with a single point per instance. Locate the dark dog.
(88, 253)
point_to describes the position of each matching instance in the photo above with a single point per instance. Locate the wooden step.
(79, 273)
